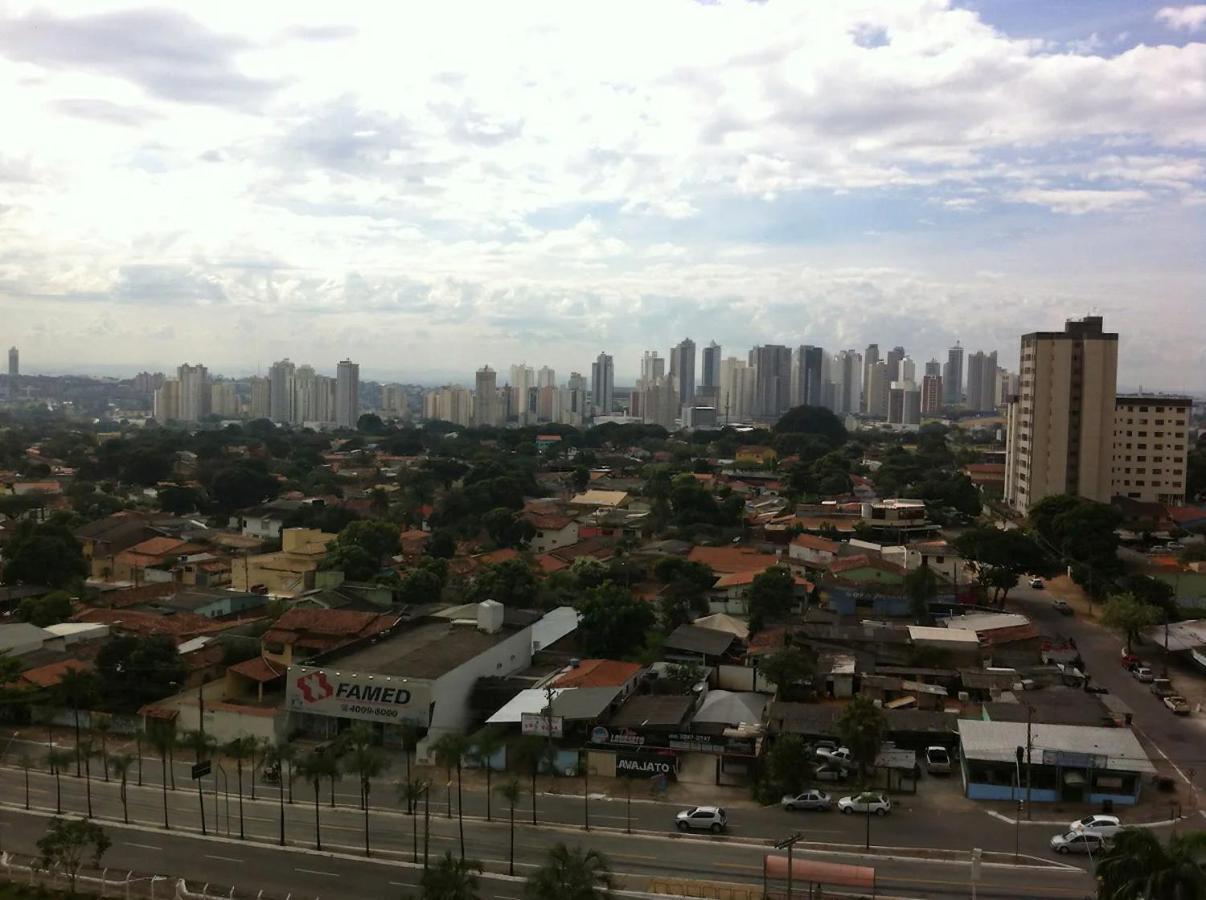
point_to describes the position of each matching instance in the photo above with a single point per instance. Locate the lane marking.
(223, 858)
(316, 872)
(144, 846)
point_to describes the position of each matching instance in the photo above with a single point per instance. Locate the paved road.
(636, 857)
(1180, 740)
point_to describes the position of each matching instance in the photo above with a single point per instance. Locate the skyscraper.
(870, 358)
(933, 367)
(281, 393)
(904, 403)
(261, 397)
(14, 362)
(772, 380)
(603, 384)
(711, 365)
(877, 390)
(682, 367)
(306, 401)
(523, 381)
(546, 377)
(982, 380)
(895, 355)
(952, 375)
(737, 383)
(908, 370)
(806, 383)
(347, 394)
(931, 392)
(485, 397)
(1061, 423)
(846, 373)
(194, 396)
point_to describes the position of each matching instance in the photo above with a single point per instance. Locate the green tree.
(813, 420)
(613, 622)
(77, 688)
(571, 874)
(1001, 556)
(921, 586)
(862, 726)
(511, 583)
(512, 791)
(314, 767)
(239, 749)
(203, 746)
(366, 762)
(771, 597)
(162, 738)
(410, 792)
(134, 671)
(44, 553)
(58, 760)
(529, 753)
(449, 751)
(483, 747)
(507, 528)
(120, 765)
(1082, 532)
(790, 764)
(242, 485)
(1137, 866)
(178, 500)
(49, 609)
(1128, 616)
(451, 879)
(68, 843)
(791, 670)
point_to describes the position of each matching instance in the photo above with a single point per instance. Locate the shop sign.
(645, 765)
(537, 724)
(616, 738)
(351, 695)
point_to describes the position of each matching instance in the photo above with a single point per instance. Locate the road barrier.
(112, 883)
(704, 890)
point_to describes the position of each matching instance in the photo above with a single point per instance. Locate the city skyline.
(197, 181)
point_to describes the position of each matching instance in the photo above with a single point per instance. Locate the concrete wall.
(742, 678)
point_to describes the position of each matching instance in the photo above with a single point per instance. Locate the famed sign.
(535, 723)
(352, 695)
(645, 765)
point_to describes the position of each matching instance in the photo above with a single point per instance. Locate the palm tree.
(102, 725)
(451, 879)
(26, 764)
(528, 753)
(368, 762)
(314, 767)
(239, 749)
(262, 746)
(56, 759)
(162, 740)
(1138, 867)
(202, 746)
(410, 740)
(411, 792)
(575, 873)
(511, 791)
(76, 689)
(449, 751)
(121, 763)
(280, 755)
(486, 744)
(86, 749)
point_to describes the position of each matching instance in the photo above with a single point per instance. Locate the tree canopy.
(44, 553)
(813, 420)
(614, 622)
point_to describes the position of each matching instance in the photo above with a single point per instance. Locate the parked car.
(866, 803)
(1143, 674)
(1061, 606)
(702, 818)
(937, 760)
(841, 753)
(813, 799)
(1174, 546)
(1162, 687)
(1099, 824)
(1178, 704)
(1077, 842)
(830, 772)
(1036, 583)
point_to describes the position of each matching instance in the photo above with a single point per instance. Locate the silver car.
(813, 799)
(1077, 842)
(702, 818)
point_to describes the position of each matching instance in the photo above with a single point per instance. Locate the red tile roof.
(180, 625)
(814, 542)
(598, 673)
(161, 546)
(737, 579)
(51, 674)
(733, 559)
(258, 669)
(334, 622)
(547, 521)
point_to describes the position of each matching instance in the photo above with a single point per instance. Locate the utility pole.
(787, 844)
(1029, 747)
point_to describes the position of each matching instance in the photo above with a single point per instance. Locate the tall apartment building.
(682, 367)
(846, 374)
(952, 375)
(982, 380)
(347, 394)
(876, 390)
(485, 398)
(907, 370)
(194, 393)
(904, 404)
(807, 386)
(711, 366)
(281, 397)
(451, 403)
(223, 399)
(165, 406)
(1151, 447)
(261, 397)
(603, 384)
(737, 383)
(393, 401)
(772, 380)
(893, 359)
(931, 393)
(14, 362)
(870, 358)
(1061, 423)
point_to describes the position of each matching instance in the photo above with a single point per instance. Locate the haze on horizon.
(428, 190)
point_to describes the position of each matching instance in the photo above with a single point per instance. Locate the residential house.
(811, 550)
(730, 593)
(103, 539)
(554, 529)
(289, 571)
(151, 560)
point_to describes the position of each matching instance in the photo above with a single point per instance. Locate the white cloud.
(1183, 18)
(1078, 202)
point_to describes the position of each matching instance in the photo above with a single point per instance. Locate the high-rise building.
(393, 401)
(304, 407)
(166, 404)
(682, 368)
(194, 393)
(893, 359)
(281, 398)
(14, 362)
(952, 375)
(737, 383)
(772, 380)
(223, 399)
(870, 358)
(521, 403)
(660, 402)
(931, 393)
(846, 373)
(933, 368)
(877, 390)
(546, 377)
(1151, 447)
(261, 397)
(451, 403)
(485, 397)
(904, 403)
(908, 370)
(806, 378)
(711, 365)
(603, 384)
(982, 380)
(1061, 423)
(347, 394)
(325, 389)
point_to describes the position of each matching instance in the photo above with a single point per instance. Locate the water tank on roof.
(490, 616)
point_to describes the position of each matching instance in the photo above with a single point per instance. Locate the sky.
(426, 188)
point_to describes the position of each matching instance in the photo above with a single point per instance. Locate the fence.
(119, 884)
(704, 890)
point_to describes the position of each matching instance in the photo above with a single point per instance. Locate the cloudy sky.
(430, 187)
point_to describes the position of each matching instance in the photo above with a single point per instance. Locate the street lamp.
(787, 844)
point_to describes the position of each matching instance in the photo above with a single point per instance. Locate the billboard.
(535, 723)
(352, 695)
(645, 765)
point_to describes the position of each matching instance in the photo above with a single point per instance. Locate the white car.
(937, 760)
(1144, 674)
(830, 772)
(702, 818)
(1036, 583)
(1077, 842)
(841, 754)
(1101, 825)
(866, 803)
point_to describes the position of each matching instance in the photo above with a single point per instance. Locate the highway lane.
(638, 857)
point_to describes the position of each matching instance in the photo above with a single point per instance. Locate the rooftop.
(998, 742)
(645, 710)
(733, 559)
(731, 708)
(598, 673)
(944, 635)
(694, 639)
(430, 650)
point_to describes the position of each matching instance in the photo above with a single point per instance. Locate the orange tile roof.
(814, 542)
(179, 625)
(737, 579)
(258, 669)
(334, 622)
(51, 674)
(598, 673)
(732, 559)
